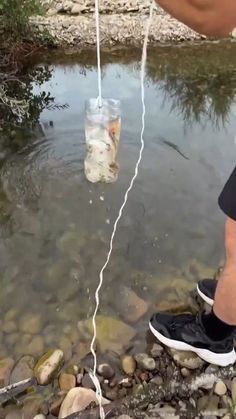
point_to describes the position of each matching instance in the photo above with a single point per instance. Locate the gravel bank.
(122, 22)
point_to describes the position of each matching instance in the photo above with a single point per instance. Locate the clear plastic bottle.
(102, 134)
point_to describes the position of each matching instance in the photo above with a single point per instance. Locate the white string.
(142, 77)
(98, 54)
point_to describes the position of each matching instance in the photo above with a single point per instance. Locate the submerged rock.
(67, 382)
(35, 346)
(112, 334)
(23, 369)
(6, 366)
(48, 366)
(9, 327)
(31, 323)
(131, 306)
(77, 400)
(32, 406)
(56, 405)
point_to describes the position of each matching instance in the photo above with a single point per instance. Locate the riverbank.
(72, 23)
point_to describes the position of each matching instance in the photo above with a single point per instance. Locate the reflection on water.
(55, 226)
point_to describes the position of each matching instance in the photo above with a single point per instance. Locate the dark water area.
(55, 226)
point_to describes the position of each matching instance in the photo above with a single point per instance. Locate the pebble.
(233, 389)
(48, 366)
(187, 359)
(6, 366)
(56, 405)
(40, 416)
(145, 362)
(106, 371)
(128, 364)
(156, 350)
(185, 372)
(32, 405)
(23, 369)
(67, 382)
(220, 388)
(77, 400)
(87, 382)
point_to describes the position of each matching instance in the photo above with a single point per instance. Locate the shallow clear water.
(55, 226)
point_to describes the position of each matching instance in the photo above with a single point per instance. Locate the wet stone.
(145, 362)
(55, 406)
(48, 366)
(9, 327)
(15, 413)
(185, 372)
(6, 366)
(12, 339)
(186, 359)
(31, 323)
(87, 382)
(220, 388)
(131, 305)
(67, 382)
(233, 389)
(112, 334)
(36, 346)
(128, 364)
(77, 400)
(106, 371)
(32, 406)
(22, 370)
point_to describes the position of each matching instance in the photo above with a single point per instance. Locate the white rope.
(98, 54)
(142, 77)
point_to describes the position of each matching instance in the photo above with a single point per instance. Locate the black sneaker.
(206, 288)
(185, 332)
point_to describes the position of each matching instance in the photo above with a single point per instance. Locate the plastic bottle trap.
(102, 134)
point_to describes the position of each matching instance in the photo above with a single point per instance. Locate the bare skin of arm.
(208, 17)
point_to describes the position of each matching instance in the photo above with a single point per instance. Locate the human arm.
(209, 17)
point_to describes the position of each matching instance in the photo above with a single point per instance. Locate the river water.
(55, 225)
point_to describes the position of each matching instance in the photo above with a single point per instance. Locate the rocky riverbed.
(148, 383)
(154, 384)
(122, 22)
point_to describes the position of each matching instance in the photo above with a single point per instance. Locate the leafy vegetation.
(15, 16)
(19, 104)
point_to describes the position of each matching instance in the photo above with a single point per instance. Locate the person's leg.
(225, 297)
(209, 335)
(206, 288)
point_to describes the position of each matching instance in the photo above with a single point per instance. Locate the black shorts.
(227, 199)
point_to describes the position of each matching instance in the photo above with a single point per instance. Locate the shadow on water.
(55, 226)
